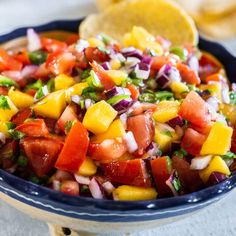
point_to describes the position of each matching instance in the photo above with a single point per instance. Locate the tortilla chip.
(103, 4)
(159, 17)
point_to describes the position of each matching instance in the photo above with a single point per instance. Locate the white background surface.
(217, 220)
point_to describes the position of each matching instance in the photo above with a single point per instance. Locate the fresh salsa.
(137, 121)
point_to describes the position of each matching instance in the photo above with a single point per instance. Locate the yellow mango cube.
(3, 128)
(166, 110)
(98, 117)
(87, 168)
(52, 105)
(229, 111)
(7, 108)
(214, 88)
(218, 141)
(115, 64)
(76, 89)
(133, 193)
(63, 81)
(21, 100)
(217, 164)
(179, 87)
(117, 76)
(94, 42)
(115, 130)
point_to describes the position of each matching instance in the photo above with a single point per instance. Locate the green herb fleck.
(94, 81)
(68, 125)
(37, 57)
(229, 155)
(10, 125)
(4, 103)
(16, 135)
(7, 82)
(85, 74)
(181, 153)
(176, 183)
(37, 85)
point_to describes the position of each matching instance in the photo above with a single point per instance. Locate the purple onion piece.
(132, 52)
(146, 60)
(215, 178)
(116, 91)
(106, 66)
(163, 76)
(170, 183)
(176, 121)
(143, 66)
(122, 106)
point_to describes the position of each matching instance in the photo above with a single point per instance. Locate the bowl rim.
(23, 186)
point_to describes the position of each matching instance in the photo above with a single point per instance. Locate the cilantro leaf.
(16, 135)
(4, 103)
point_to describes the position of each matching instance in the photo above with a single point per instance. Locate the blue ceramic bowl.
(93, 215)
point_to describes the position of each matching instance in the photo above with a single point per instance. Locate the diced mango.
(142, 39)
(115, 64)
(132, 193)
(94, 42)
(179, 87)
(229, 111)
(218, 141)
(214, 88)
(77, 89)
(8, 113)
(21, 100)
(117, 76)
(52, 105)
(87, 168)
(115, 130)
(3, 128)
(63, 81)
(166, 110)
(98, 117)
(217, 164)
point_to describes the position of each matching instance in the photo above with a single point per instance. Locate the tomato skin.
(188, 75)
(159, 61)
(134, 91)
(21, 116)
(195, 110)
(161, 173)
(75, 148)
(233, 141)
(53, 45)
(34, 128)
(68, 114)
(42, 72)
(102, 75)
(202, 129)
(143, 129)
(190, 179)
(42, 153)
(60, 62)
(94, 54)
(3, 90)
(8, 63)
(107, 151)
(72, 38)
(22, 57)
(131, 172)
(192, 141)
(70, 187)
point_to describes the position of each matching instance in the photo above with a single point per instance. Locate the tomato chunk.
(134, 91)
(195, 110)
(159, 61)
(8, 63)
(34, 128)
(107, 151)
(21, 116)
(94, 54)
(70, 187)
(53, 45)
(3, 90)
(161, 170)
(188, 75)
(190, 179)
(143, 129)
(42, 153)
(131, 172)
(192, 141)
(75, 148)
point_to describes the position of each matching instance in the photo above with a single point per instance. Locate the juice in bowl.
(115, 134)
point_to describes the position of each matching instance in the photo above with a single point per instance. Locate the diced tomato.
(202, 129)
(3, 90)
(188, 75)
(21, 116)
(215, 77)
(75, 148)
(190, 179)
(107, 151)
(72, 38)
(31, 92)
(161, 170)
(42, 73)
(159, 61)
(22, 56)
(192, 141)
(68, 114)
(70, 187)
(94, 54)
(208, 66)
(195, 110)
(8, 63)
(53, 45)
(34, 128)
(134, 91)
(233, 141)
(143, 129)
(131, 172)
(102, 75)
(42, 153)
(60, 62)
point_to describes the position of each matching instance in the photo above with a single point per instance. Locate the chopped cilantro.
(176, 183)
(94, 81)
(4, 103)
(37, 57)
(181, 153)
(37, 85)
(10, 125)
(7, 82)
(85, 74)
(16, 135)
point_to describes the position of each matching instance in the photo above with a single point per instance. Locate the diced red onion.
(130, 142)
(132, 52)
(118, 56)
(117, 91)
(108, 187)
(123, 119)
(200, 163)
(82, 179)
(164, 127)
(88, 103)
(152, 149)
(215, 178)
(34, 42)
(221, 118)
(169, 183)
(123, 105)
(56, 185)
(213, 103)
(95, 189)
(131, 62)
(28, 71)
(176, 121)
(193, 63)
(233, 87)
(142, 71)
(76, 99)
(81, 45)
(146, 60)
(14, 75)
(2, 138)
(106, 66)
